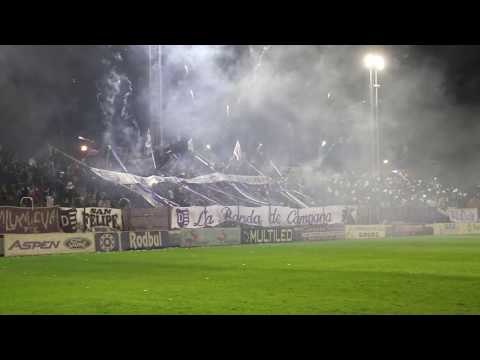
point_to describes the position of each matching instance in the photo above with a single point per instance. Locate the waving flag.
(237, 151)
(148, 146)
(148, 142)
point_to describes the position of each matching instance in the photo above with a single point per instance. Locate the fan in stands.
(185, 176)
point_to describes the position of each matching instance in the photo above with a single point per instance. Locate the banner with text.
(28, 221)
(266, 216)
(465, 215)
(43, 244)
(143, 240)
(365, 231)
(88, 219)
(254, 235)
(68, 220)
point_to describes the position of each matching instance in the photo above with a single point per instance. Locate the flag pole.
(153, 159)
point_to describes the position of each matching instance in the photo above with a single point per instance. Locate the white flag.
(237, 151)
(148, 142)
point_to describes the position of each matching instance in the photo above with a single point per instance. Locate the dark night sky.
(49, 91)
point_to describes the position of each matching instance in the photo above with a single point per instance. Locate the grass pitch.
(423, 275)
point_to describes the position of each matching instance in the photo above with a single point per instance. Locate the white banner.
(198, 217)
(87, 219)
(90, 218)
(466, 215)
(129, 179)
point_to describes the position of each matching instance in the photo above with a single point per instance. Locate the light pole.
(155, 81)
(374, 64)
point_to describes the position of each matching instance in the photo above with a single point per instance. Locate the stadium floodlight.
(208, 146)
(84, 148)
(386, 161)
(374, 61)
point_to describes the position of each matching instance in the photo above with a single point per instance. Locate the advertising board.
(43, 244)
(409, 230)
(205, 237)
(251, 235)
(107, 241)
(143, 240)
(447, 229)
(318, 233)
(456, 228)
(470, 228)
(365, 231)
(174, 238)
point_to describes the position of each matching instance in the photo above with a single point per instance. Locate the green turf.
(423, 275)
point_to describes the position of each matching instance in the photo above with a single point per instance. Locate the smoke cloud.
(293, 99)
(307, 105)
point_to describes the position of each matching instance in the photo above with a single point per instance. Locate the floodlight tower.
(374, 64)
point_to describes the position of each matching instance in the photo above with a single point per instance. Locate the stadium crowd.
(52, 179)
(395, 190)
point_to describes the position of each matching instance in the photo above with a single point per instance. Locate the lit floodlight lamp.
(374, 62)
(84, 148)
(386, 162)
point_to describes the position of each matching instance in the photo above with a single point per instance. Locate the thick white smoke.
(114, 98)
(294, 98)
